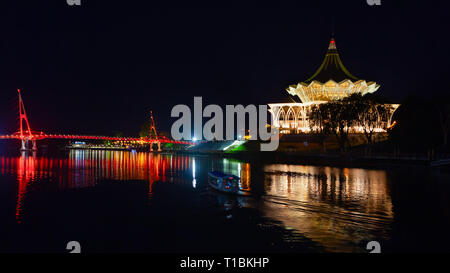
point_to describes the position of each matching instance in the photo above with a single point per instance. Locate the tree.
(145, 129)
(117, 133)
(442, 106)
(368, 113)
(319, 122)
(418, 127)
(332, 118)
(339, 117)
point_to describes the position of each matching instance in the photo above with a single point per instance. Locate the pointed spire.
(332, 44)
(332, 67)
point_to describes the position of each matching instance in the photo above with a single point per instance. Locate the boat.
(226, 183)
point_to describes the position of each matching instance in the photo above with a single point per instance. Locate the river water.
(121, 201)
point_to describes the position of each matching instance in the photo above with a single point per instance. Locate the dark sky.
(100, 67)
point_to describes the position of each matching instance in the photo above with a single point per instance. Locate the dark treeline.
(423, 124)
(420, 125)
(350, 115)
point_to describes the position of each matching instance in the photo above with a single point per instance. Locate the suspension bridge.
(26, 135)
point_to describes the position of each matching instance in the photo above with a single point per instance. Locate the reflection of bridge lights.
(194, 182)
(87, 168)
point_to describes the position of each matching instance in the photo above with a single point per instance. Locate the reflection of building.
(338, 208)
(332, 81)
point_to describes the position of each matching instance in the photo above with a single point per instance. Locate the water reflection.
(237, 168)
(194, 182)
(338, 208)
(85, 168)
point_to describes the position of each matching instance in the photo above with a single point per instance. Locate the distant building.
(332, 81)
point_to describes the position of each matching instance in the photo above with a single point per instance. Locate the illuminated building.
(332, 81)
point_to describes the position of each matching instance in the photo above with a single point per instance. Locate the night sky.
(101, 67)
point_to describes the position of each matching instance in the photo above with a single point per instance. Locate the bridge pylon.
(27, 135)
(153, 129)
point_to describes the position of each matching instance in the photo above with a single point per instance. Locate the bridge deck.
(81, 137)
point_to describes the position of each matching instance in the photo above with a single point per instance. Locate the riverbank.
(306, 149)
(330, 159)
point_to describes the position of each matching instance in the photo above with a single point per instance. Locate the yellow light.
(393, 124)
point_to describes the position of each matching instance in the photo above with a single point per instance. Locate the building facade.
(332, 81)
